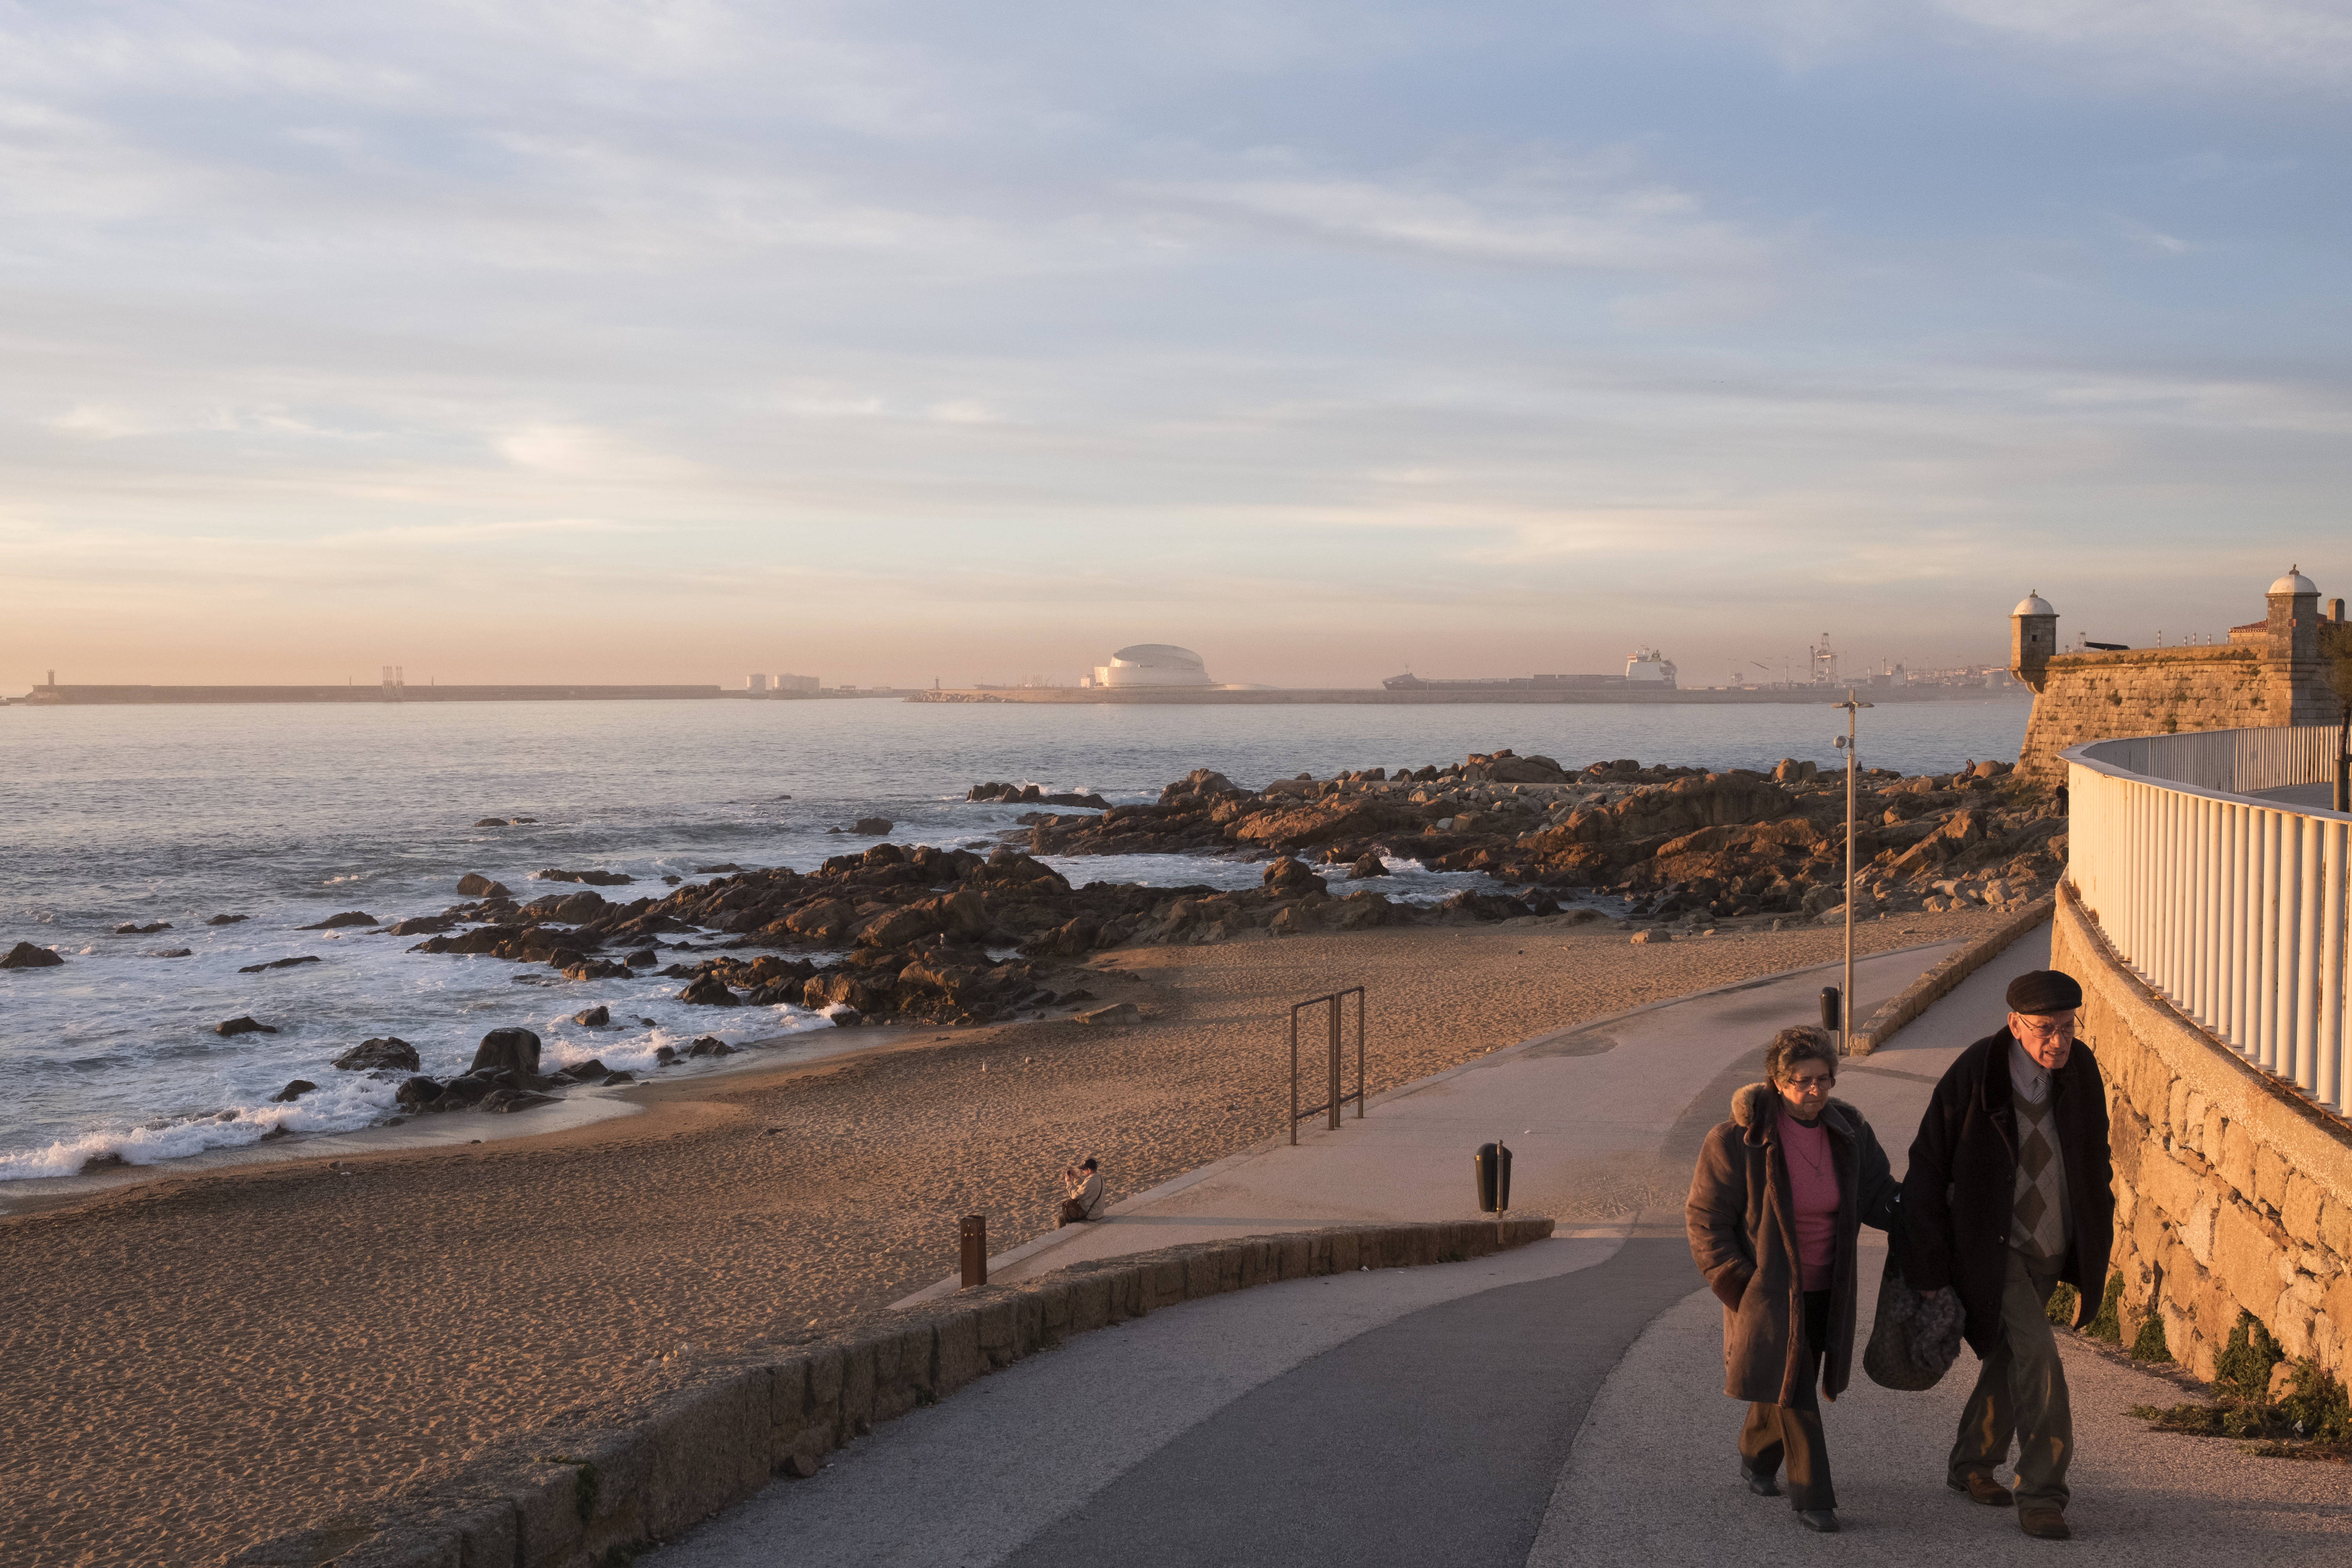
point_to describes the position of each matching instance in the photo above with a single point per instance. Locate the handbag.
(1914, 1339)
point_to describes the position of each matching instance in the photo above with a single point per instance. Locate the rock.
(569, 909)
(388, 1053)
(847, 1017)
(348, 918)
(142, 931)
(24, 955)
(725, 867)
(522, 821)
(611, 1078)
(1789, 770)
(505, 1101)
(515, 1048)
(1369, 864)
(474, 885)
(590, 1017)
(1285, 878)
(1643, 938)
(874, 827)
(277, 964)
(292, 1092)
(226, 920)
(244, 1025)
(491, 822)
(1069, 939)
(421, 925)
(173, 953)
(594, 878)
(901, 928)
(644, 958)
(710, 1046)
(1321, 821)
(596, 969)
(709, 990)
(1117, 1012)
(582, 1071)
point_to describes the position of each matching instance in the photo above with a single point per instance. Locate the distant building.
(804, 683)
(1153, 664)
(1650, 668)
(755, 683)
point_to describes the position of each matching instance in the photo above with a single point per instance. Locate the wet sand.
(203, 1361)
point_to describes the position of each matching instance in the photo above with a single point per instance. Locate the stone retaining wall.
(2146, 691)
(586, 1494)
(2233, 1192)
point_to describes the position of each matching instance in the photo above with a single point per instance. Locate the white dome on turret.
(2033, 604)
(2294, 582)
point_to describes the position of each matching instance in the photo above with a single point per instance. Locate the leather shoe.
(2044, 1522)
(1823, 1520)
(1982, 1489)
(1762, 1486)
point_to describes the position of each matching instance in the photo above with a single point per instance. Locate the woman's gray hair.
(1803, 1043)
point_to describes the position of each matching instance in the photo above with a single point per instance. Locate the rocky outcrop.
(226, 920)
(348, 918)
(292, 1092)
(709, 990)
(474, 885)
(872, 826)
(242, 1025)
(279, 963)
(1030, 795)
(503, 1049)
(389, 1053)
(594, 878)
(593, 1017)
(142, 931)
(24, 955)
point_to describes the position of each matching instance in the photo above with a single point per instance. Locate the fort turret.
(2032, 638)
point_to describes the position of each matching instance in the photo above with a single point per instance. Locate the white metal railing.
(2233, 908)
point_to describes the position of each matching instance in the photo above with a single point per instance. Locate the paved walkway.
(1557, 1405)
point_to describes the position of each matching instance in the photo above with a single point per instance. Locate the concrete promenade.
(1557, 1405)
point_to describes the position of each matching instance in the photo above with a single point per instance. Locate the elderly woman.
(1778, 1198)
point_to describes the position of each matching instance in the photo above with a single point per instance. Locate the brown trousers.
(2021, 1393)
(1791, 1434)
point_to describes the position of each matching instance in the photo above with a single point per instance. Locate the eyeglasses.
(2061, 1031)
(1809, 1083)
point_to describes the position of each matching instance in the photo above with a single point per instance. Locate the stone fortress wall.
(2233, 1192)
(2285, 669)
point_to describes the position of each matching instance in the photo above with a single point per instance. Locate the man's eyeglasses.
(2063, 1031)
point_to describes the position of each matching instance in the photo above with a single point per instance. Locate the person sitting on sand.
(1084, 1185)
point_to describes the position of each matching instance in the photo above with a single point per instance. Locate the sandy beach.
(200, 1361)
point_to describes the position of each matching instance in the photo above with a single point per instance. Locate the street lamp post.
(1853, 774)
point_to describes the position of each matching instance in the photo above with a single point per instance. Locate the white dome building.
(1153, 664)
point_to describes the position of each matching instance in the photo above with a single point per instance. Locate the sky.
(902, 340)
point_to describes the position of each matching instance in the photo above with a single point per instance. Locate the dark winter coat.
(1743, 1236)
(1961, 1190)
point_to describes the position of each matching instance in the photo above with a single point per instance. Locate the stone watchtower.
(2291, 672)
(2032, 638)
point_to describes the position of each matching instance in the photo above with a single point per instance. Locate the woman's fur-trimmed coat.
(1743, 1235)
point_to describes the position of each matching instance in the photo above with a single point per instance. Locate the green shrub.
(2109, 1324)
(2062, 1304)
(2318, 1407)
(2149, 1345)
(2243, 1367)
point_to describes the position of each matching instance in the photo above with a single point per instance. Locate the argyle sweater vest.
(2038, 1228)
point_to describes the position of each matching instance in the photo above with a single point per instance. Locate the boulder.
(173, 953)
(503, 1102)
(421, 925)
(418, 1094)
(277, 964)
(569, 909)
(242, 1025)
(594, 968)
(504, 1048)
(1508, 769)
(1285, 878)
(348, 918)
(710, 1046)
(589, 1017)
(709, 990)
(292, 1092)
(1789, 770)
(1321, 821)
(24, 955)
(580, 1072)
(1069, 939)
(226, 920)
(489, 822)
(899, 927)
(644, 958)
(1368, 864)
(389, 1053)
(611, 1078)
(874, 827)
(474, 885)
(823, 921)
(142, 931)
(837, 989)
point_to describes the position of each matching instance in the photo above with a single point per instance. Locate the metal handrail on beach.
(2233, 908)
(1334, 1100)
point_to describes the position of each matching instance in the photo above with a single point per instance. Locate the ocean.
(288, 813)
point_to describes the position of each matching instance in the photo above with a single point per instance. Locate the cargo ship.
(1646, 670)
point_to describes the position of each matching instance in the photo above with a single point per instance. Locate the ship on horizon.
(1646, 670)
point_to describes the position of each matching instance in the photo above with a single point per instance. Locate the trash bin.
(1494, 1166)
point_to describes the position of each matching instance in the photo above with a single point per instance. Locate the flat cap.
(2044, 991)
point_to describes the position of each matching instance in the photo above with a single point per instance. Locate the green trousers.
(2021, 1394)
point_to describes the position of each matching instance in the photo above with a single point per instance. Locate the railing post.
(1334, 1036)
(2328, 1077)
(1294, 1077)
(2305, 1069)
(1363, 1093)
(2266, 971)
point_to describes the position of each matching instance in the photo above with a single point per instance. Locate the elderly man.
(2008, 1194)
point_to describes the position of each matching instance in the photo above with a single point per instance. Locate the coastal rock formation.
(142, 931)
(709, 990)
(24, 955)
(292, 1092)
(1030, 795)
(507, 1049)
(594, 878)
(491, 822)
(348, 918)
(388, 1054)
(474, 885)
(279, 963)
(874, 827)
(592, 1017)
(243, 1026)
(226, 920)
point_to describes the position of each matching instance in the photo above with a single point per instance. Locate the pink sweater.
(1814, 1191)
